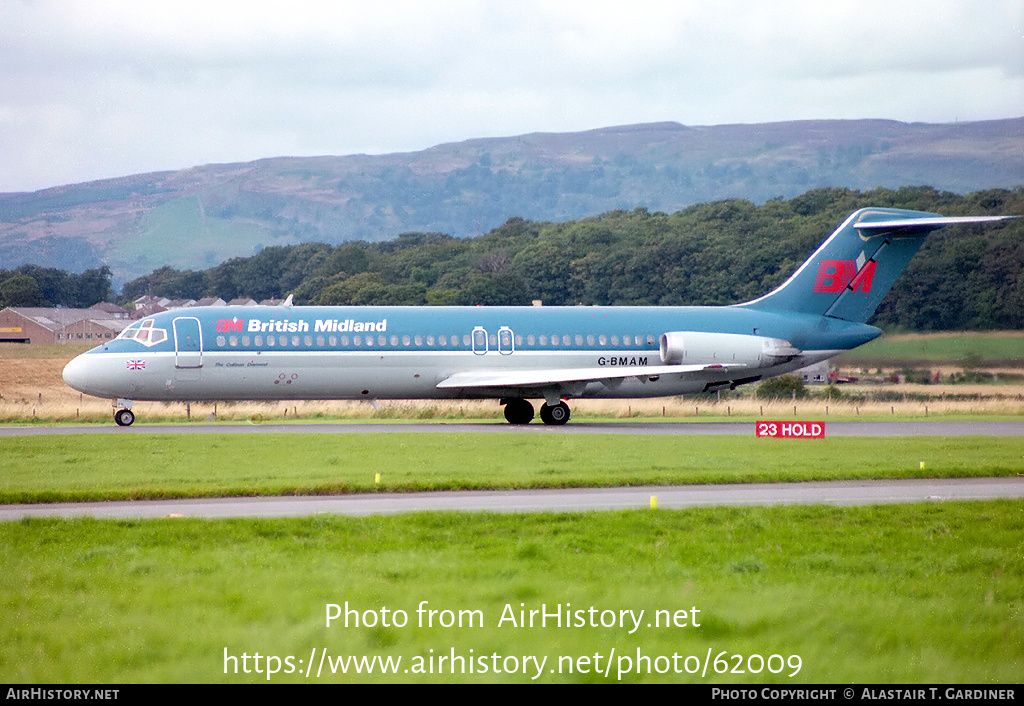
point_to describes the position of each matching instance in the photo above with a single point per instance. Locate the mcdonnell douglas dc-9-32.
(513, 354)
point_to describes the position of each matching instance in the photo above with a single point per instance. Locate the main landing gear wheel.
(554, 414)
(124, 417)
(518, 412)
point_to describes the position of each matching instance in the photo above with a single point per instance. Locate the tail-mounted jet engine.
(695, 348)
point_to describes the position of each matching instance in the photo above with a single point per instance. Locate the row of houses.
(149, 304)
(92, 326)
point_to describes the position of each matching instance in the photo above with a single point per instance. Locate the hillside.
(198, 217)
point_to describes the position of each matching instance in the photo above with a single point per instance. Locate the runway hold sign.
(790, 430)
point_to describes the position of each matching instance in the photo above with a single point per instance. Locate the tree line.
(965, 277)
(31, 285)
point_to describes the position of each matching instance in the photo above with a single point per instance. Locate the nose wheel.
(557, 414)
(124, 417)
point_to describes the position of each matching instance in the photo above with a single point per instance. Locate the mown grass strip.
(941, 348)
(886, 594)
(87, 467)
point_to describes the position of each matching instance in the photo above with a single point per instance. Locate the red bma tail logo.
(836, 275)
(236, 324)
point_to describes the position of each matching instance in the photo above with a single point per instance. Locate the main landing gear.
(521, 412)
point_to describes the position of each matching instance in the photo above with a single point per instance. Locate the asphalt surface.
(873, 429)
(553, 500)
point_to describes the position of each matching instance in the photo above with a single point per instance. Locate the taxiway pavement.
(844, 428)
(550, 500)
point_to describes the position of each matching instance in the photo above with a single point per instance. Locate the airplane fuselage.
(276, 353)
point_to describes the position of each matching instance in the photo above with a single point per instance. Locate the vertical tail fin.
(850, 272)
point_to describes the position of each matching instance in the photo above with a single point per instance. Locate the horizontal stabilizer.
(541, 378)
(912, 226)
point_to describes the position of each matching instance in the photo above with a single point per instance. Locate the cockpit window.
(145, 333)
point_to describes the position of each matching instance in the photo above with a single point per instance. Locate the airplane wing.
(543, 378)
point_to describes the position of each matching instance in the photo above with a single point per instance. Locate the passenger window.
(430, 340)
(394, 341)
(406, 340)
(270, 341)
(245, 341)
(234, 341)
(259, 341)
(221, 340)
(320, 341)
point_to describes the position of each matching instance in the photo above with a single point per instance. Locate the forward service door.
(188, 343)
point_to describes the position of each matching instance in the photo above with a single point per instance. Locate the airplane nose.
(75, 373)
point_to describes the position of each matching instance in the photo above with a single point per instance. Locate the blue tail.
(849, 274)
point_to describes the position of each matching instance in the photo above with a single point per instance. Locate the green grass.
(88, 467)
(980, 348)
(921, 593)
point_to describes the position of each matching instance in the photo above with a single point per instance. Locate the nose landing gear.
(123, 414)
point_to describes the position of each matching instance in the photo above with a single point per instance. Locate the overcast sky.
(91, 89)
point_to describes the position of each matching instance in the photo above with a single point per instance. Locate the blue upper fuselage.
(462, 328)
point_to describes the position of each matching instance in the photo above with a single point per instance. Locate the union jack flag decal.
(136, 365)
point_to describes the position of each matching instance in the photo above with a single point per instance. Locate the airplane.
(513, 354)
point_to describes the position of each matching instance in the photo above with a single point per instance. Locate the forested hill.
(964, 277)
(196, 218)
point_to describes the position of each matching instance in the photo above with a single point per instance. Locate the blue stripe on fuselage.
(803, 331)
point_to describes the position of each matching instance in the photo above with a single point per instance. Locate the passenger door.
(188, 343)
